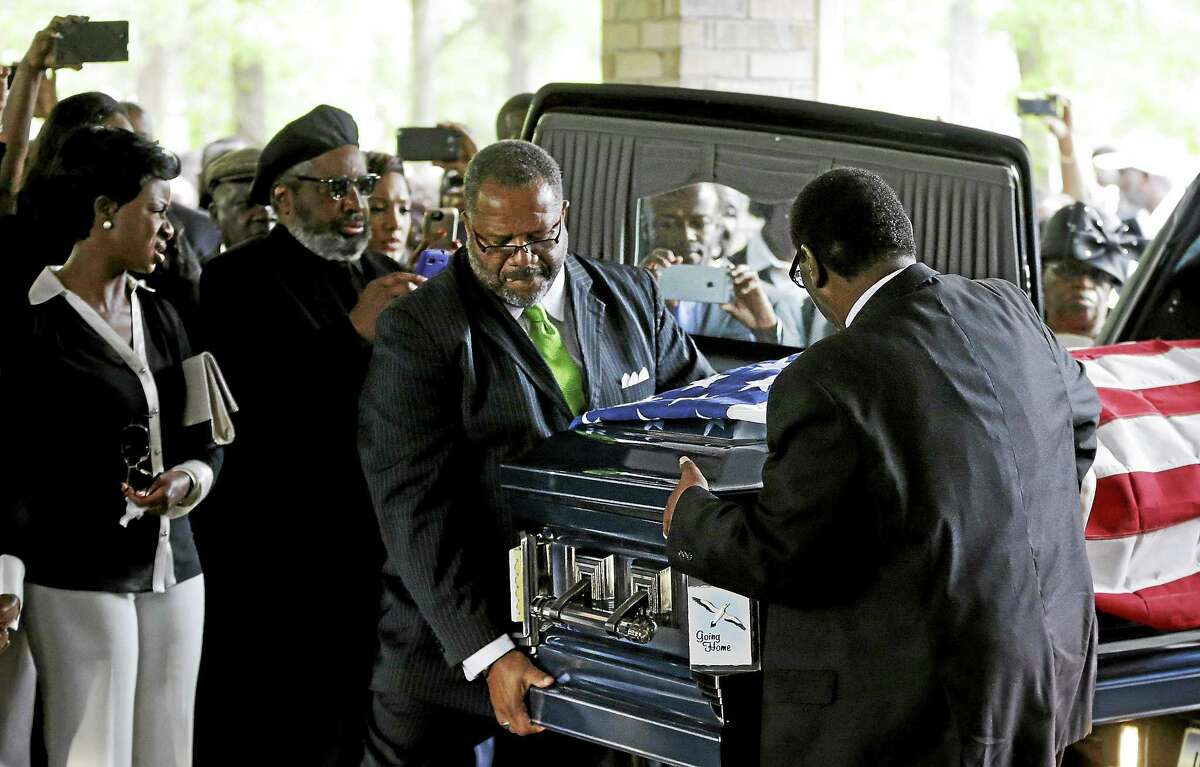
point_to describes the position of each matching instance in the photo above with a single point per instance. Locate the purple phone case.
(432, 262)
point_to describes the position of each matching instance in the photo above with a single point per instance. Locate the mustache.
(350, 219)
(527, 272)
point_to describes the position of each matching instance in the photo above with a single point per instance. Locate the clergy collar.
(555, 300)
(47, 285)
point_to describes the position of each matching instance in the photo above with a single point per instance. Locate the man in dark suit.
(501, 350)
(918, 536)
(291, 317)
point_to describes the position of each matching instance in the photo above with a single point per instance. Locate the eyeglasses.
(794, 272)
(135, 452)
(339, 186)
(535, 247)
(1069, 268)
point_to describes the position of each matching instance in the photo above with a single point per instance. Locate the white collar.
(868, 293)
(47, 286)
(555, 300)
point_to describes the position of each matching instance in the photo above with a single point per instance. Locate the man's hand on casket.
(689, 476)
(508, 679)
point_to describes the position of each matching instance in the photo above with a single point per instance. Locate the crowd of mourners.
(109, 285)
(296, 249)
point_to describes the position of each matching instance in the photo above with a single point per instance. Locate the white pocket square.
(633, 379)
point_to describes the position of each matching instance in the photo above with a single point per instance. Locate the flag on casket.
(1141, 501)
(740, 394)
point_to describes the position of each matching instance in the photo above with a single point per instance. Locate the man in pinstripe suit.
(501, 350)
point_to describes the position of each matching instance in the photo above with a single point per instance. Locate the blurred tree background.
(211, 68)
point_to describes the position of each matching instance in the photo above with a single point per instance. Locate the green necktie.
(548, 341)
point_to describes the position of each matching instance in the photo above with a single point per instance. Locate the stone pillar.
(750, 46)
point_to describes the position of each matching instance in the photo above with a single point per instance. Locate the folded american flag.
(740, 394)
(1141, 501)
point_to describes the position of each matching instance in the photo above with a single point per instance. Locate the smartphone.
(432, 262)
(441, 144)
(93, 41)
(445, 219)
(702, 284)
(1045, 105)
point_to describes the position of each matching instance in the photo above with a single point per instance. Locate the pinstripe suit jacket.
(455, 387)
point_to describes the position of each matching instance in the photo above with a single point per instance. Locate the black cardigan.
(68, 395)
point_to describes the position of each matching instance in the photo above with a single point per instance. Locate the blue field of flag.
(739, 394)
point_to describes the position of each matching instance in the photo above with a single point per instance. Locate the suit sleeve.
(796, 535)
(1085, 407)
(679, 361)
(410, 429)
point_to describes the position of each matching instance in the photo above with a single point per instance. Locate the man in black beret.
(294, 544)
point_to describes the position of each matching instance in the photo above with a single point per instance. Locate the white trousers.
(17, 683)
(117, 673)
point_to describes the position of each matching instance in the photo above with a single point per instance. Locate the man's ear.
(281, 199)
(816, 266)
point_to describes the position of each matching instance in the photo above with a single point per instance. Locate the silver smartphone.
(702, 284)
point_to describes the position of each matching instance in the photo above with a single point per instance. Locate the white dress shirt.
(868, 293)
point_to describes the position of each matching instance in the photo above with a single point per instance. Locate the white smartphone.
(702, 284)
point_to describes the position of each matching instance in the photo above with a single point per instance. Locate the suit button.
(685, 555)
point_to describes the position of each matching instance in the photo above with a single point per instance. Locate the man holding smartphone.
(690, 225)
(511, 342)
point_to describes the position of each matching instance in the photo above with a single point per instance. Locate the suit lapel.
(496, 322)
(588, 314)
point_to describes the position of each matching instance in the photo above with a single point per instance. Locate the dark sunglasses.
(339, 186)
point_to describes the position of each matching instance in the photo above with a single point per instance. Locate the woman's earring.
(106, 225)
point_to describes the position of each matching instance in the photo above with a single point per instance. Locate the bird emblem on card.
(722, 613)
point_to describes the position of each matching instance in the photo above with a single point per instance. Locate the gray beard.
(330, 245)
(496, 285)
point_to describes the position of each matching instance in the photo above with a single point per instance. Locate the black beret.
(321, 130)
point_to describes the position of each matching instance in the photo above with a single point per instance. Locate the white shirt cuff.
(202, 482)
(12, 580)
(491, 652)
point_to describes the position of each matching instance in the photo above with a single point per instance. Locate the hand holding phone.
(702, 284)
(432, 262)
(92, 41)
(1046, 105)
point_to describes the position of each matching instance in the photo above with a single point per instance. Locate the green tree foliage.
(352, 53)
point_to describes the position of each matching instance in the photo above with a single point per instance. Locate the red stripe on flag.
(1141, 348)
(1173, 606)
(1180, 399)
(1128, 504)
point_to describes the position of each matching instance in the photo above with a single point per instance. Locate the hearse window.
(698, 238)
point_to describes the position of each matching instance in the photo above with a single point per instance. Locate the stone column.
(750, 46)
